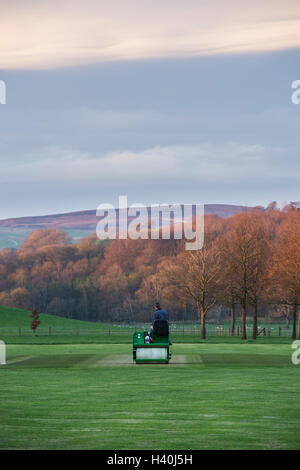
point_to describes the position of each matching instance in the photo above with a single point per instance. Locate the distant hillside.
(87, 220)
(15, 317)
(83, 220)
(77, 224)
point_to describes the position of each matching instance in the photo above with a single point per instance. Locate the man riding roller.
(159, 314)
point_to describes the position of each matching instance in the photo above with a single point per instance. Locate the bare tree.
(243, 257)
(284, 311)
(194, 275)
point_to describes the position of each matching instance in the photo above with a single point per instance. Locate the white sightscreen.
(2, 353)
(152, 353)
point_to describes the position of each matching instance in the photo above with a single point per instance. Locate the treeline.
(249, 266)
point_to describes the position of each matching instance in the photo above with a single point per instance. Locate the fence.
(128, 330)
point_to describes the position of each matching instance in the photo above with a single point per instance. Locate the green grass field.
(218, 394)
(215, 396)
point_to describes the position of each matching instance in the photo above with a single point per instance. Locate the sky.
(162, 101)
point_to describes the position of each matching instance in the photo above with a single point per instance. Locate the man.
(159, 314)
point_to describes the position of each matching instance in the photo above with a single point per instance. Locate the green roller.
(157, 352)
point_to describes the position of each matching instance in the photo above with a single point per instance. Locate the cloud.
(53, 34)
(229, 162)
(66, 179)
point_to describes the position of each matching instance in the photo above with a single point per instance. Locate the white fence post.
(2, 353)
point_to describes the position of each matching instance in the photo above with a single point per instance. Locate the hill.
(15, 317)
(87, 220)
(77, 224)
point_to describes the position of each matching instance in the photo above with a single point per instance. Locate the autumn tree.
(259, 264)
(35, 320)
(45, 237)
(286, 266)
(243, 256)
(120, 279)
(227, 296)
(194, 275)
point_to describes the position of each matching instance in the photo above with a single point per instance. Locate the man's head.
(157, 306)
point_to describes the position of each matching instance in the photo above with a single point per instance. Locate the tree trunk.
(287, 322)
(203, 332)
(298, 337)
(294, 332)
(243, 306)
(254, 334)
(85, 303)
(232, 318)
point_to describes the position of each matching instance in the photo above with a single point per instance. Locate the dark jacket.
(161, 315)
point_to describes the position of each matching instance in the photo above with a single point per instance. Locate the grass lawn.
(91, 396)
